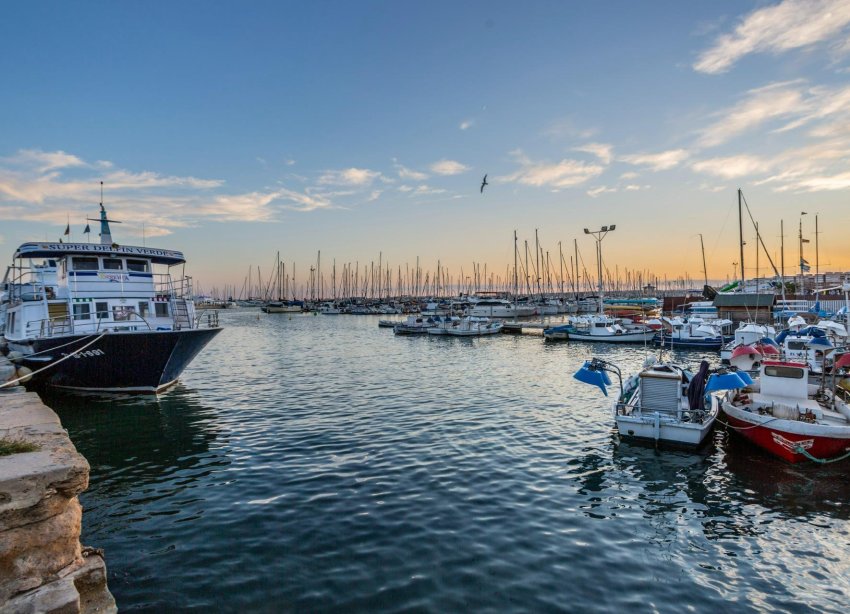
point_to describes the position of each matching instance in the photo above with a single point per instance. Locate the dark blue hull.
(702, 344)
(142, 362)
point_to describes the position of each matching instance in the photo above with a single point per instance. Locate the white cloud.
(408, 173)
(43, 161)
(350, 176)
(840, 181)
(448, 167)
(467, 124)
(633, 187)
(289, 162)
(731, 167)
(425, 190)
(603, 151)
(662, 161)
(778, 100)
(629, 175)
(563, 174)
(594, 192)
(375, 195)
(405, 188)
(792, 24)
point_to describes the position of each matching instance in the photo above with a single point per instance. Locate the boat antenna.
(105, 234)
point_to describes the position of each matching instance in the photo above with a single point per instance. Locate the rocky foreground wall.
(43, 566)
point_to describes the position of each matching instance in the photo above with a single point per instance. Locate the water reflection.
(147, 453)
(788, 490)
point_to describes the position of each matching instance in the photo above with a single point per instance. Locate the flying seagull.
(483, 183)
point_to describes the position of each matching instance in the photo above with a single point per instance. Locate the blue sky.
(232, 130)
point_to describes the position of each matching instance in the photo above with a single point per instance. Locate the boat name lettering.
(114, 276)
(89, 353)
(109, 249)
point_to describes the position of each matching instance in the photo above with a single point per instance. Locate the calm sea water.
(318, 463)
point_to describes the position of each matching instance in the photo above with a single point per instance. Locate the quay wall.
(43, 565)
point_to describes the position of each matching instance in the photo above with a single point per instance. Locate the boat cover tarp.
(696, 389)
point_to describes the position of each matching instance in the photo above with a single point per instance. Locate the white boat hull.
(636, 337)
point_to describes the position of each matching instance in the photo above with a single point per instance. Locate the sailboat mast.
(741, 239)
(704, 268)
(516, 272)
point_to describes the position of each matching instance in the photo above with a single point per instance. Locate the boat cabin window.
(143, 308)
(101, 311)
(84, 263)
(796, 345)
(137, 265)
(123, 313)
(82, 311)
(113, 264)
(787, 372)
(161, 310)
(601, 325)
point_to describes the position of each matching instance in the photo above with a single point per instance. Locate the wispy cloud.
(562, 174)
(467, 124)
(49, 186)
(791, 24)
(349, 176)
(42, 161)
(629, 175)
(409, 173)
(603, 151)
(426, 190)
(772, 102)
(594, 192)
(448, 167)
(661, 161)
(732, 167)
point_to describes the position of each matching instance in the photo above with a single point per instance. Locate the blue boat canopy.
(61, 250)
(725, 381)
(588, 374)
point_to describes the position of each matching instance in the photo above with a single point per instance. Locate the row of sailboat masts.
(531, 275)
(779, 272)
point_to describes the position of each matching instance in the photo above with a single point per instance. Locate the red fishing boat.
(784, 414)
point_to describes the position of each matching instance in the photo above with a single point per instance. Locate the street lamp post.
(599, 235)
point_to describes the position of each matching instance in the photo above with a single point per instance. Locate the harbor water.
(319, 463)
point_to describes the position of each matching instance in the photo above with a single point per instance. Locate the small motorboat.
(785, 415)
(664, 403)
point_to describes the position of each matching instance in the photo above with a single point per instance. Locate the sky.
(234, 130)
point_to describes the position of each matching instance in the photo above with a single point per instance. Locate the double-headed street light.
(599, 235)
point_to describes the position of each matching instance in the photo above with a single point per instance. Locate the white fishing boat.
(103, 317)
(414, 325)
(442, 324)
(603, 328)
(470, 326)
(782, 413)
(329, 309)
(500, 308)
(664, 403)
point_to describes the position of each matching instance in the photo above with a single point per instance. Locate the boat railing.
(26, 284)
(207, 318)
(165, 285)
(686, 415)
(68, 325)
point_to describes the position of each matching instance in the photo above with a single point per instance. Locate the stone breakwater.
(43, 566)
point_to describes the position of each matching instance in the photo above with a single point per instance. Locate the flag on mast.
(68, 229)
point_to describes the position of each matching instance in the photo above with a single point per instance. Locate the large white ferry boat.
(102, 317)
